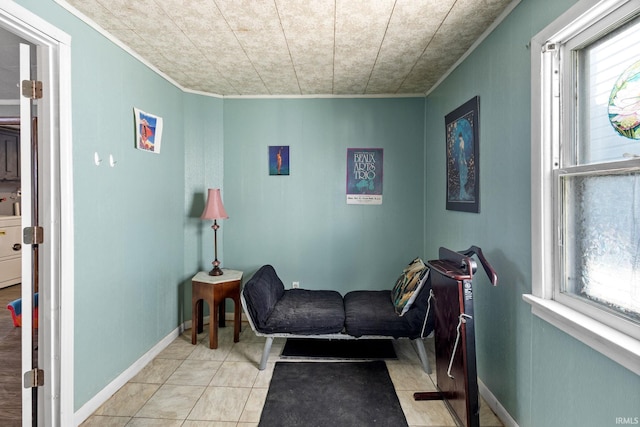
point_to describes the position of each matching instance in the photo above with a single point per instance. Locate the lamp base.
(216, 271)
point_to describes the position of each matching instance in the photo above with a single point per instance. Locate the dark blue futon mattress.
(306, 312)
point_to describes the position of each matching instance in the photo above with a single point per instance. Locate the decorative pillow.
(408, 285)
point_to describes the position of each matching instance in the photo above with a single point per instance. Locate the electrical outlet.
(295, 285)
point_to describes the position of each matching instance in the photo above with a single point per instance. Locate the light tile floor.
(194, 386)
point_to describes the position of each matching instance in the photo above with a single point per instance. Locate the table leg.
(194, 320)
(200, 312)
(236, 318)
(222, 310)
(213, 326)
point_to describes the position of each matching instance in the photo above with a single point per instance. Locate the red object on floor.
(15, 307)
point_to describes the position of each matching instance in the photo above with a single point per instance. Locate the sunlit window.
(599, 196)
(585, 176)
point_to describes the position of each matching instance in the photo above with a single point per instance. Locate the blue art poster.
(461, 178)
(364, 176)
(279, 160)
(462, 135)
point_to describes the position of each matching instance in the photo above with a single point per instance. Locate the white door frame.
(56, 306)
(27, 183)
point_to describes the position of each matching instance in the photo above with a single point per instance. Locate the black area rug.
(331, 394)
(338, 349)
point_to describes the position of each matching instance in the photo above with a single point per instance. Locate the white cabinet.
(10, 251)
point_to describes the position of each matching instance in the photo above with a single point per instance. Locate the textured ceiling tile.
(179, 77)
(202, 22)
(239, 73)
(193, 74)
(456, 26)
(173, 41)
(360, 28)
(483, 13)
(309, 30)
(250, 47)
(135, 14)
(466, 22)
(438, 58)
(132, 40)
(98, 13)
(257, 27)
(234, 65)
(202, 79)
(411, 28)
(431, 66)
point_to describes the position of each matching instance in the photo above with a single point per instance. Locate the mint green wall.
(129, 232)
(204, 168)
(137, 245)
(301, 223)
(542, 376)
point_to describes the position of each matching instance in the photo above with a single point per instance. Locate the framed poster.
(148, 131)
(279, 160)
(364, 176)
(462, 134)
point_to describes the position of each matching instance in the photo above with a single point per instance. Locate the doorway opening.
(11, 247)
(53, 205)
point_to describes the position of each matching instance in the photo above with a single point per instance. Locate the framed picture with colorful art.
(364, 176)
(463, 168)
(279, 160)
(148, 131)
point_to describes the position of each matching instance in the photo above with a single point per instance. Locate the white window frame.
(573, 317)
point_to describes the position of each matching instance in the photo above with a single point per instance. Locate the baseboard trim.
(495, 406)
(101, 397)
(96, 401)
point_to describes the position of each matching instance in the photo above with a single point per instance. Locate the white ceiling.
(297, 47)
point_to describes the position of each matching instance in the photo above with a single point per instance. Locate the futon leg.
(422, 354)
(265, 353)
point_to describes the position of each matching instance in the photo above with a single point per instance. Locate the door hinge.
(34, 378)
(33, 235)
(32, 89)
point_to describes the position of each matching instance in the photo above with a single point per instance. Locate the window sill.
(617, 346)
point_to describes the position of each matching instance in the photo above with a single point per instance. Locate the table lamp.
(214, 209)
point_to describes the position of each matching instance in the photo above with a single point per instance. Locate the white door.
(29, 220)
(55, 406)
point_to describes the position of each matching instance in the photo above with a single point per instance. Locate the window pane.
(603, 66)
(602, 217)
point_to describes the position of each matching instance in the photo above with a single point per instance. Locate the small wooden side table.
(214, 290)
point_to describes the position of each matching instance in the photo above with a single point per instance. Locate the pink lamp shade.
(214, 208)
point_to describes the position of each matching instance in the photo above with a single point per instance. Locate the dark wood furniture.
(214, 290)
(456, 371)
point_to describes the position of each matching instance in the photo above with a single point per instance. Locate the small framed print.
(463, 169)
(279, 160)
(148, 131)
